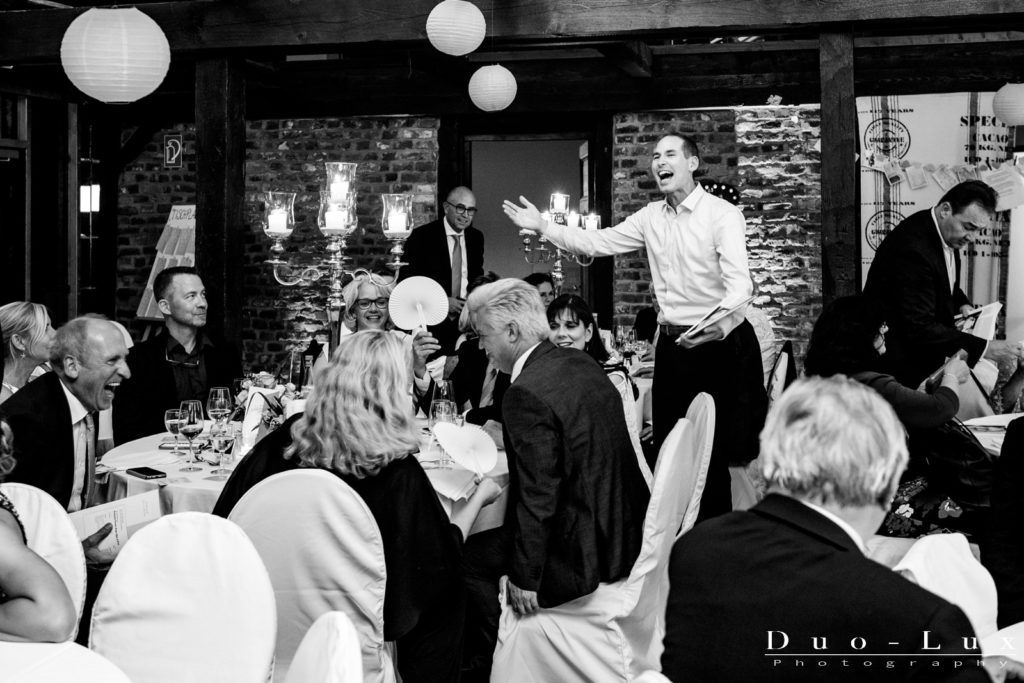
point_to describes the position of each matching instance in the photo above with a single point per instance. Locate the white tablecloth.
(643, 401)
(991, 430)
(55, 663)
(195, 491)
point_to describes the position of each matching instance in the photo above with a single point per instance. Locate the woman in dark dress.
(34, 603)
(849, 339)
(359, 425)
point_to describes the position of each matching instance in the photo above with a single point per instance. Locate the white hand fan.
(471, 447)
(417, 302)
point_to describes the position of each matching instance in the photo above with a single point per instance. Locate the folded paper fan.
(417, 302)
(469, 446)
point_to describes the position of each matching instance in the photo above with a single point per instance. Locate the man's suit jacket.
(428, 255)
(1002, 552)
(782, 567)
(908, 283)
(577, 499)
(141, 400)
(43, 438)
(468, 380)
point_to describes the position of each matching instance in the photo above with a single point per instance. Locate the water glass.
(442, 411)
(172, 421)
(219, 404)
(191, 427)
(222, 441)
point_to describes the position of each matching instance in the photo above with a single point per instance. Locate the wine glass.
(222, 439)
(172, 421)
(219, 404)
(441, 411)
(191, 427)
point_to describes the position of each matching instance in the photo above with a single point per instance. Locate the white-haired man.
(577, 499)
(784, 591)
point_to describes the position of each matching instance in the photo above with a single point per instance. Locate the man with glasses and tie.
(449, 251)
(181, 362)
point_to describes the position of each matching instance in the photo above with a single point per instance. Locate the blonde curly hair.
(359, 418)
(6, 449)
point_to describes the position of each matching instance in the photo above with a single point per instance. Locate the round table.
(55, 663)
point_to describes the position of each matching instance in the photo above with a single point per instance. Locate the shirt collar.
(689, 203)
(449, 230)
(839, 522)
(517, 367)
(935, 221)
(78, 411)
(202, 341)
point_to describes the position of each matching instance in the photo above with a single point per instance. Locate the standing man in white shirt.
(449, 251)
(696, 246)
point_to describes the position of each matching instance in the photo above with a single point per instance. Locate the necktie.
(487, 390)
(90, 461)
(457, 266)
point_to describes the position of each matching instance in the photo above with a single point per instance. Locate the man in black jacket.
(181, 362)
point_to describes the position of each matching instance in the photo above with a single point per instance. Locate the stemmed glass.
(222, 438)
(191, 427)
(219, 404)
(172, 420)
(441, 410)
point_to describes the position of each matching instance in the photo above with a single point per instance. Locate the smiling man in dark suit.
(915, 281)
(577, 499)
(449, 251)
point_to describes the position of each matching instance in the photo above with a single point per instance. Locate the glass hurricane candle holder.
(341, 178)
(337, 218)
(559, 203)
(592, 222)
(278, 220)
(396, 222)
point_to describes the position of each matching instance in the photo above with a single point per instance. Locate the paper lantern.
(115, 55)
(456, 27)
(1008, 104)
(492, 88)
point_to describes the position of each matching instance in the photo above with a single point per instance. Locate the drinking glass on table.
(172, 421)
(219, 404)
(191, 426)
(441, 411)
(222, 439)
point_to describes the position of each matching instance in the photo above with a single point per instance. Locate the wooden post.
(840, 253)
(220, 190)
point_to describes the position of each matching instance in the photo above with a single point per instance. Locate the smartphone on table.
(145, 473)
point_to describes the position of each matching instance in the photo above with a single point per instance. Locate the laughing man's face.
(671, 168)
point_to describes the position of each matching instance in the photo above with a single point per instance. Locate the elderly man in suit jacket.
(915, 280)
(577, 499)
(449, 251)
(784, 591)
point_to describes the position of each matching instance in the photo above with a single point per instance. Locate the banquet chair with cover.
(701, 414)
(323, 550)
(51, 535)
(187, 599)
(616, 632)
(629, 411)
(328, 653)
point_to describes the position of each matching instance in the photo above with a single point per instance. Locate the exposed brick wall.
(394, 155)
(767, 154)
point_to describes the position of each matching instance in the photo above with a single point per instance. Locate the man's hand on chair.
(522, 601)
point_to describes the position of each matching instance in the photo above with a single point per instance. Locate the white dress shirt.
(517, 367)
(839, 522)
(451, 232)
(947, 252)
(697, 253)
(80, 437)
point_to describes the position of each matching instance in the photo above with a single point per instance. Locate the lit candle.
(339, 188)
(398, 221)
(573, 220)
(334, 219)
(559, 203)
(277, 223)
(591, 222)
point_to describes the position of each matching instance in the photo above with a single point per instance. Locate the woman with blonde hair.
(359, 426)
(27, 339)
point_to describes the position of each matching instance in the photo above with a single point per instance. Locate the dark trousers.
(730, 371)
(432, 651)
(485, 558)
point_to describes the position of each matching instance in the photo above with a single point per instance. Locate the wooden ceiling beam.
(633, 57)
(202, 26)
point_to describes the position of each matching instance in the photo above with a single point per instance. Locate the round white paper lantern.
(1008, 104)
(492, 88)
(115, 55)
(456, 27)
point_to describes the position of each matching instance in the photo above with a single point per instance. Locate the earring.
(21, 355)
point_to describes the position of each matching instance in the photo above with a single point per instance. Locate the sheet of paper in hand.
(981, 322)
(717, 313)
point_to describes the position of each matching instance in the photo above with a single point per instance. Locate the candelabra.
(541, 251)
(336, 219)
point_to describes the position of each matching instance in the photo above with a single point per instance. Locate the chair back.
(629, 411)
(782, 374)
(323, 550)
(51, 535)
(328, 653)
(701, 415)
(187, 599)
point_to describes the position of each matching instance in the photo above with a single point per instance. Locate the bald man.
(449, 251)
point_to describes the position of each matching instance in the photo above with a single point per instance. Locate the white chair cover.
(701, 415)
(651, 676)
(744, 493)
(328, 653)
(629, 409)
(55, 663)
(52, 536)
(943, 564)
(615, 632)
(187, 599)
(777, 380)
(324, 552)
